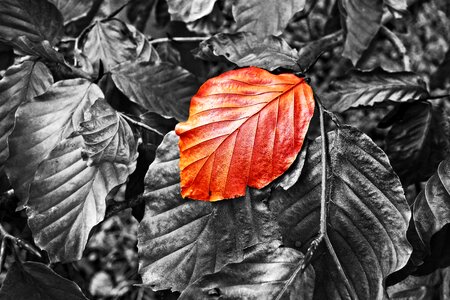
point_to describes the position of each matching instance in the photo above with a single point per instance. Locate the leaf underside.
(245, 128)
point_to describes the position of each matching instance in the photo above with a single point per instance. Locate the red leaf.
(245, 128)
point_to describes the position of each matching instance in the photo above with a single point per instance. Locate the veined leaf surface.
(245, 128)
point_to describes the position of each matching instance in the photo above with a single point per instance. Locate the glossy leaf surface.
(20, 84)
(188, 11)
(67, 195)
(181, 240)
(36, 19)
(245, 128)
(42, 124)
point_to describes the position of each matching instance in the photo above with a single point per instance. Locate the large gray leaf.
(42, 124)
(73, 10)
(259, 277)
(246, 49)
(112, 42)
(188, 11)
(431, 209)
(20, 84)
(181, 240)
(366, 88)
(36, 281)
(67, 196)
(265, 17)
(37, 19)
(368, 215)
(418, 141)
(163, 88)
(362, 20)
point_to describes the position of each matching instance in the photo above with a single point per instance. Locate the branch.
(398, 44)
(5, 237)
(180, 39)
(119, 206)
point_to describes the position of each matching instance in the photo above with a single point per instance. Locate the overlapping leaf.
(20, 84)
(368, 215)
(261, 276)
(431, 209)
(42, 124)
(362, 20)
(359, 88)
(67, 196)
(265, 17)
(73, 10)
(418, 142)
(112, 42)
(188, 11)
(181, 240)
(36, 19)
(41, 49)
(163, 88)
(245, 128)
(246, 49)
(36, 281)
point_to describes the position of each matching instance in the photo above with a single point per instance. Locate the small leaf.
(265, 17)
(67, 196)
(36, 281)
(20, 84)
(188, 11)
(367, 88)
(397, 7)
(36, 19)
(182, 240)
(113, 42)
(245, 128)
(73, 10)
(41, 49)
(417, 142)
(163, 88)
(260, 276)
(42, 124)
(107, 136)
(246, 49)
(367, 220)
(361, 21)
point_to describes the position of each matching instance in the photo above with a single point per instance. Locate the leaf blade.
(181, 240)
(253, 111)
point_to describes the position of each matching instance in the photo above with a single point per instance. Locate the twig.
(341, 272)
(180, 39)
(435, 97)
(137, 123)
(119, 206)
(5, 237)
(398, 44)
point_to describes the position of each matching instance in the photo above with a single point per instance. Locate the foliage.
(315, 134)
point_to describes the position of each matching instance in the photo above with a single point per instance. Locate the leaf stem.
(119, 206)
(137, 123)
(179, 39)
(5, 236)
(324, 203)
(435, 97)
(398, 44)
